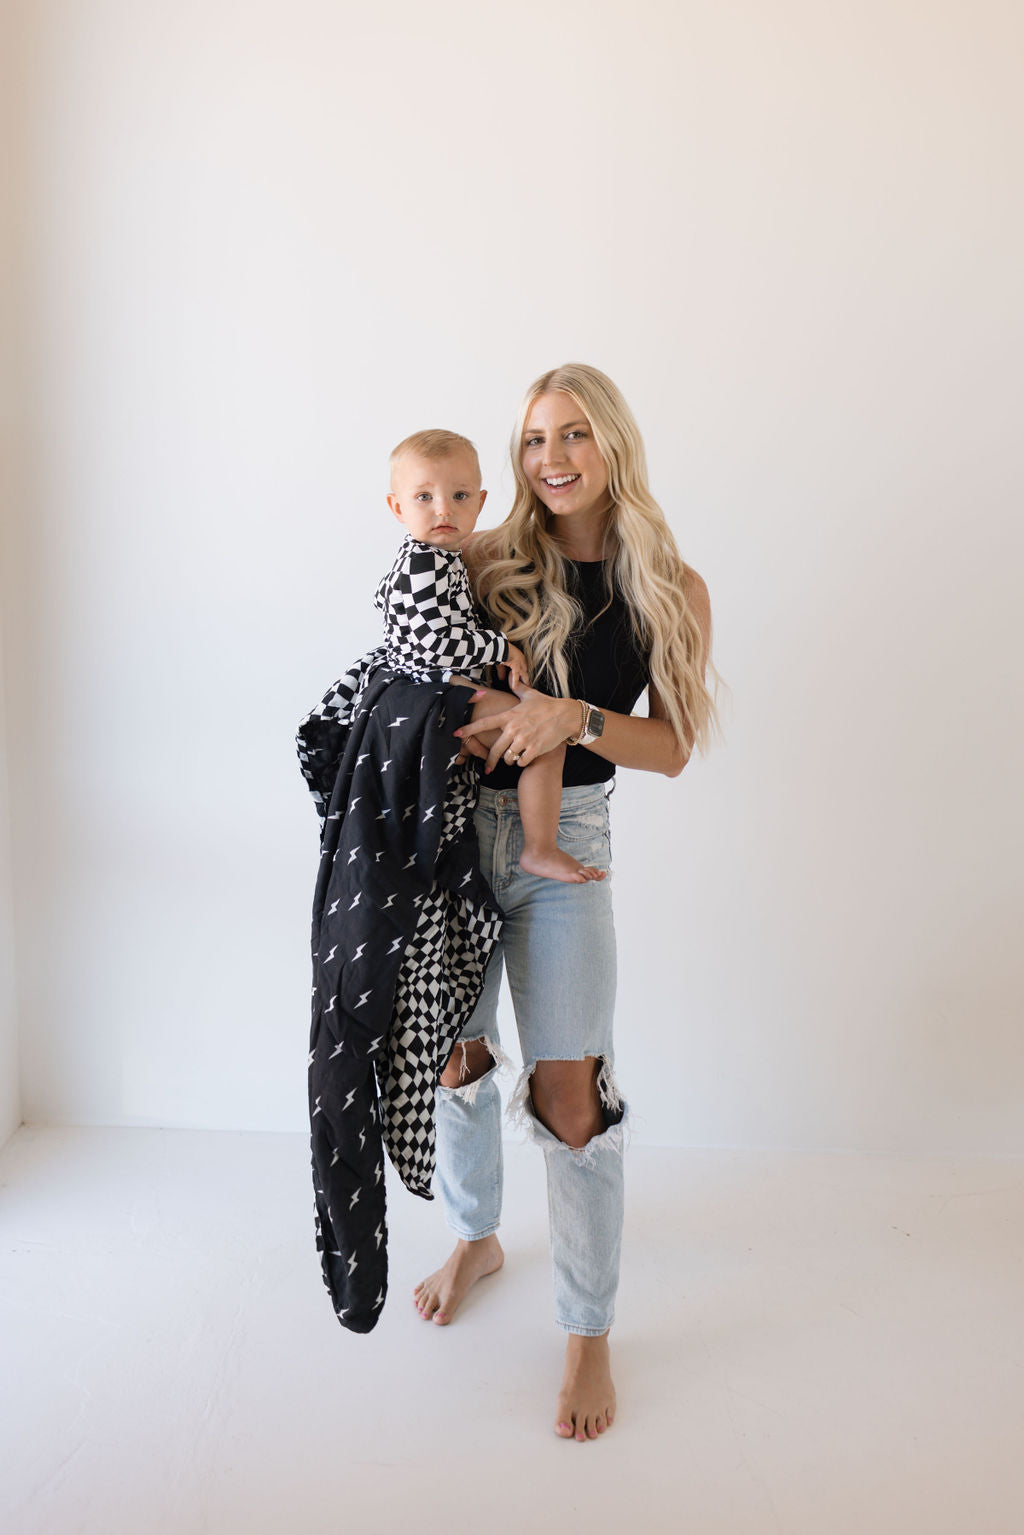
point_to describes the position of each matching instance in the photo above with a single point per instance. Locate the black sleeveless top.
(608, 667)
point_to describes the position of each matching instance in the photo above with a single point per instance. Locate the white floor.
(811, 1345)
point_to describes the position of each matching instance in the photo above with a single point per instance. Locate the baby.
(431, 625)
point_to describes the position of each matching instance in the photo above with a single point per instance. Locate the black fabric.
(608, 667)
(403, 926)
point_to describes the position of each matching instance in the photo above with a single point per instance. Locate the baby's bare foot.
(438, 1298)
(586, 1402)
(554, 864)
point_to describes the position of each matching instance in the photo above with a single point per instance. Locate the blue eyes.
(533, 442)
(460, 495)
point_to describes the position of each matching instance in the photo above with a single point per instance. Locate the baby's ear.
(395, 506)
(483, 498)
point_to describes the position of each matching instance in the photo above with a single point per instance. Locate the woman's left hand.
(526, 730)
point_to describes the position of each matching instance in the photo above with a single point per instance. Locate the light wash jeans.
(558, 948)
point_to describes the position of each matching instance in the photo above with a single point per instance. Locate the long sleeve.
(429, 616)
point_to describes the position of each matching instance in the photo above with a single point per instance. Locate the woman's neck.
(583, 541)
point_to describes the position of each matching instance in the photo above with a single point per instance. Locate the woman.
(584, 576)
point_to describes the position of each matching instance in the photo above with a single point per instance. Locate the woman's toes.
(564, 1430)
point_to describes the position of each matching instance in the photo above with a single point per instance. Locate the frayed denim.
(558, 949)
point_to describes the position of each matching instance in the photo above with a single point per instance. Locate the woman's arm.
(538, 722)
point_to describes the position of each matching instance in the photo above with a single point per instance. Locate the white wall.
(12, 464)
(10, 1094)
(268, 241)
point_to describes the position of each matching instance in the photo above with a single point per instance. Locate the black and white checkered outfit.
(430, 622)
(403, 921)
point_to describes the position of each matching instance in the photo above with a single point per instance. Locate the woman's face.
(561, 461)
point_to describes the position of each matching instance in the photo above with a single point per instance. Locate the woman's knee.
(468, 1062)
(566, 1099)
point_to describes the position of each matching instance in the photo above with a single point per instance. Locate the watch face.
(594, 725)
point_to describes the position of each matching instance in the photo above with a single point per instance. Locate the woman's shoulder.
(695, 588)
(698, 600)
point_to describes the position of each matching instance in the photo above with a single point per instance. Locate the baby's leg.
(540, 800)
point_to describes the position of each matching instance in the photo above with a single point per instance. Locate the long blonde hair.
(521, 576)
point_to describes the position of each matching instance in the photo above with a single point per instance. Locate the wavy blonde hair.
(521, 576)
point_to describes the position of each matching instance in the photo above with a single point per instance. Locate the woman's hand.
(526, 730)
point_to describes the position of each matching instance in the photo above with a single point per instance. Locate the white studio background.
(258, 244)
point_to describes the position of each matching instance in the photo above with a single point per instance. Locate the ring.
(512, 757)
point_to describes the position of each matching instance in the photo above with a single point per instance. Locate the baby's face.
(437, 500)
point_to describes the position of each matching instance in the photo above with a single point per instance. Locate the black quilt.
(403, 926)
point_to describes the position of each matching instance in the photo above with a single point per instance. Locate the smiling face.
(561, 460)
(437, 500)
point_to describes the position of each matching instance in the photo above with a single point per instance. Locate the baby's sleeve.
(431, 616)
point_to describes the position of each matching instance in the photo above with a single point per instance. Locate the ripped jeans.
(558, 947)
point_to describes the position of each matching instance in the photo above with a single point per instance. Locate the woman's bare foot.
(438, 1298)
(586, 1402)
(554, 864)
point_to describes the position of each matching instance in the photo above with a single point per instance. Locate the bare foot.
(438, 1298)
(552, 863)
(586, 1402)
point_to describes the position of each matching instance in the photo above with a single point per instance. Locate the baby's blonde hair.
(433, 443)
(521, 575)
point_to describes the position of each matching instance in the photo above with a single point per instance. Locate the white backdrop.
(266, 241)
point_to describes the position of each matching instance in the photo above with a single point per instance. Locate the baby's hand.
(515, 668)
